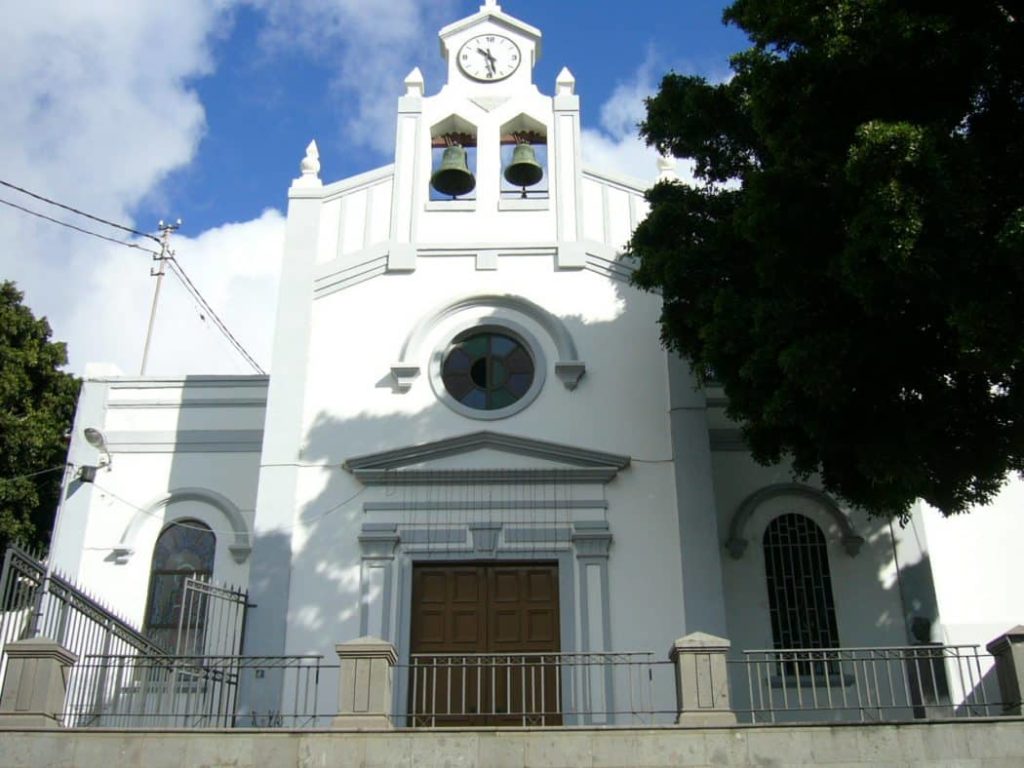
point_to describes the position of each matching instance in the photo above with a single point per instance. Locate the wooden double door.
(485, 642)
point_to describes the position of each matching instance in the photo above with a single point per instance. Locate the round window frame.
(518, 334)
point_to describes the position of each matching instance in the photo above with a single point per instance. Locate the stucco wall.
(184, 448)
(951, 745)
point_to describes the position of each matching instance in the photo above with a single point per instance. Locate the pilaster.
(407, 194)
(567, 173)
(592, 542)
(378, 543)
(270, 573)
(699, 539)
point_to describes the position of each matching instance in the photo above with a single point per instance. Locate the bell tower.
(488, 157)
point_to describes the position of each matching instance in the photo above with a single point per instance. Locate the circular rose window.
(487, 371)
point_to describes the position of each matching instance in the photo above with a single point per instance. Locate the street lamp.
(95, 438)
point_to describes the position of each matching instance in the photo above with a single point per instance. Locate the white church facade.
(472, 441)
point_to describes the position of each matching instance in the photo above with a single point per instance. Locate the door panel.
(502, 611)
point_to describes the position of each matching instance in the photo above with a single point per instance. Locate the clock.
(489, 58)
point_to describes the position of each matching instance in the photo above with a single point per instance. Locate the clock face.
(489, 57)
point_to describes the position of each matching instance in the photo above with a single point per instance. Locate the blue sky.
(202, 111)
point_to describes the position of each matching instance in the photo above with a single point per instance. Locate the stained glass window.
(487, 371)
(183, 549)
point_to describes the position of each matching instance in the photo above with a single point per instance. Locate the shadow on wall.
(315, 567)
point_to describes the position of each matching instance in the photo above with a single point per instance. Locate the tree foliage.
(37, 402)
(852, 269)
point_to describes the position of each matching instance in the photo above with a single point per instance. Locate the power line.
(32, 474)
(230, 532)
(80, 213)
(164, 255)
(125, 243)
(179, 272)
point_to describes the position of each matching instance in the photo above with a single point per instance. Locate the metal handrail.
(884, 683)
(531, 688)
(130, 691)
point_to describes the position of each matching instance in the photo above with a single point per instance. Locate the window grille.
(799, 585)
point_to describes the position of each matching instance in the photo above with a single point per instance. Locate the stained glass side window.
(487, 371)
(799, 584)
(183, 549)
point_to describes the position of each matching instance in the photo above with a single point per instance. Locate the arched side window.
(183, 549)
(799, 584)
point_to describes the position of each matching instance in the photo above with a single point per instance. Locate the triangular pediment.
(487, 457)
(496, 15)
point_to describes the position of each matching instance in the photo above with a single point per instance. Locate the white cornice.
(511, 22)
(631, 184)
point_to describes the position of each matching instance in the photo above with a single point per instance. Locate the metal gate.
(212, 620)
(122, 677)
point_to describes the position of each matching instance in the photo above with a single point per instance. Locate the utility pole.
(158, 272)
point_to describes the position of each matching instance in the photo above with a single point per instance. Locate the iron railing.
(135, 691)
(543, 689)
(36, 604)
(866, 684)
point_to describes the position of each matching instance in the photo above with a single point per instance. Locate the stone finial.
(565, 83)
(310, 165)
(490, 5)
(414, 83)
(310, 168)
(667, 168)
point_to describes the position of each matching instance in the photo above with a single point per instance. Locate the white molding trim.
(412, 349)
(391, 477)
(737, 541)
(187, 441)
(240, 548)
(452, 446)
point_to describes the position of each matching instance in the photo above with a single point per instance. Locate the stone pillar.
(702, 680)
(592, 540)
(364, 693)
(1008, 650)
(35, 684)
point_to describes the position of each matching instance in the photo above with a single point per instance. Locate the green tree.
(37, 402)
(852, 268)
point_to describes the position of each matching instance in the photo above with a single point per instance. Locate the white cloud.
(615, 146)
(234, 266)
(98, 110)
(374, 44)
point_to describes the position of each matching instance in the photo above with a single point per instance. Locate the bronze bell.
(453, 177)
(524, 170)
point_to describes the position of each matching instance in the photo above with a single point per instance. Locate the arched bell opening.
(453, 143)
(524, 159)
